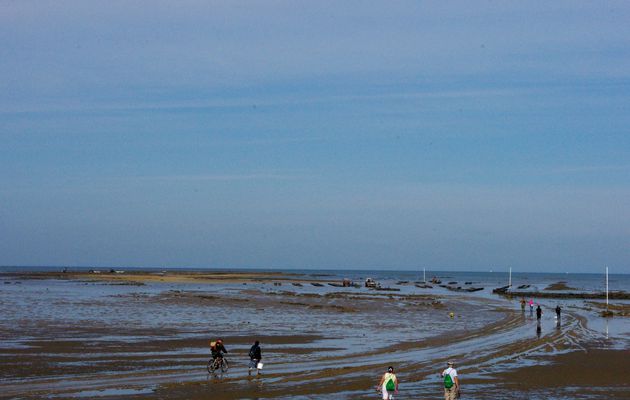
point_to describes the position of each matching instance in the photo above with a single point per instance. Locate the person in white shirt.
(388, 389)
(451, 384)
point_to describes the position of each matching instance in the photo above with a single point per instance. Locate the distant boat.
(116, 271)
(316, 284)
(371, 283)
(387, 289)
(425, 286)
(461, 289)
(296, 284)
(501, 290)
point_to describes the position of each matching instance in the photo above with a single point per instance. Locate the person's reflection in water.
(260, 384)
(538, 330)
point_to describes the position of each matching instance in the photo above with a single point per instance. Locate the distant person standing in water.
(451, 382)
(538, 312)
(388, 384)
(531, 306)
(523, 303)
(558, 312)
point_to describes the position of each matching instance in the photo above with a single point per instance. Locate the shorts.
(450, 393)
(253, 364)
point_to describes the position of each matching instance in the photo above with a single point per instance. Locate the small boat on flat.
(501, 290)
(387, 289)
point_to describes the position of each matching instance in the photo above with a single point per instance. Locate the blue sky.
(467, 135)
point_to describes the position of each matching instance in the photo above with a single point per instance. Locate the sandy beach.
(145, 335)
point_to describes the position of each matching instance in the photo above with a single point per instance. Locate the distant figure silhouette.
(558, 312)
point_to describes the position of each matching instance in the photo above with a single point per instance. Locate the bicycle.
(219, 363)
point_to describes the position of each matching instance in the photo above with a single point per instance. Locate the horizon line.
(215, 268)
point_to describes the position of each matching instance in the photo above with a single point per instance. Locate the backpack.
(448, 381)
(390, 385)
(213, 345)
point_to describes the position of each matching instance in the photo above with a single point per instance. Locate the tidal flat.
(146, 335)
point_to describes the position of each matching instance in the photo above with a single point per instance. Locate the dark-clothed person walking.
(255, 355)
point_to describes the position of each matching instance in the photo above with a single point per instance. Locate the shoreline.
(141, 277)
(613, 295)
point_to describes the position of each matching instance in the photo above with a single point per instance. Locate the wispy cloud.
(253, 102)
(580, 169)
(215, 177)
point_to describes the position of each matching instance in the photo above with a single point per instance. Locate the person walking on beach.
(558, 312)
(388, 384)
(531, 306)
(538, 312)
(523, 303)
(255, 355)
(451, 382)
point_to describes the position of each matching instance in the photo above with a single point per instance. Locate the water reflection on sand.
(69, 337)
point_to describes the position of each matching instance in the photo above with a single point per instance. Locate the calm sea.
(489, 279)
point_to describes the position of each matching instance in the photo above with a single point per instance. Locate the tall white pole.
(606, 288)
(510, 281)
(424, 275)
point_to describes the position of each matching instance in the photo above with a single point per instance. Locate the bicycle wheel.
(211, 366)
(224, 365)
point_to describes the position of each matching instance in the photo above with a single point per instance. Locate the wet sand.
(141, 277)
(572, 375)
(151, 341)
(586, 369)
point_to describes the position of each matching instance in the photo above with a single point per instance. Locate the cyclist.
(217, 349)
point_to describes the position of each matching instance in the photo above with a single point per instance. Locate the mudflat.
(94, 335)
